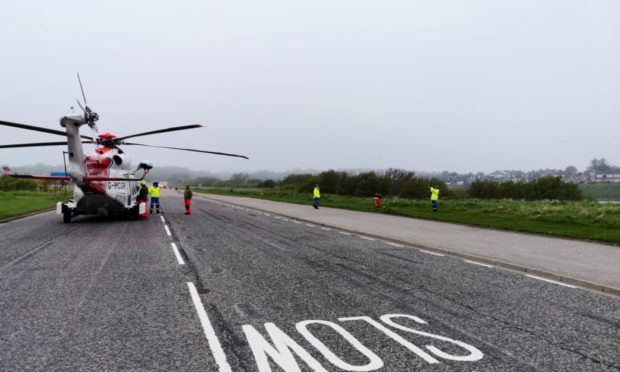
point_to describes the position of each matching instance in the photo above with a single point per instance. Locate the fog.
(426, 85)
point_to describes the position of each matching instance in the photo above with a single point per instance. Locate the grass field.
(582, 220)
(601, 191)
(16, 203)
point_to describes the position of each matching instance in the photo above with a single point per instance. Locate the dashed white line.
(367, 238)
(477, 263)
(433, 253)
(214, 343)
(326, 228)
(297, 222)
(162, 219)
(167, 230)
(394, 244)
(285, 219)
(550, 281)
(177, 254)
(309, 225)
(344, 233)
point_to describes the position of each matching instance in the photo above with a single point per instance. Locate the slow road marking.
(282, 350)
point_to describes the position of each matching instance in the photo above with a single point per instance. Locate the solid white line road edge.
(167, 230)
(477, 263)
(177, 254)
(394, 244)
(367, 238)
(550, 281)
(433, 253)
(214, 343)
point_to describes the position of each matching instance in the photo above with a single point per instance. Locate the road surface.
(229, 288)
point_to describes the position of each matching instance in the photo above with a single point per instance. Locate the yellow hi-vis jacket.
(434, 193)
(154, 191)
(317, 193)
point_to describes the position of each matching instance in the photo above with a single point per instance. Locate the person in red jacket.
(188, 200)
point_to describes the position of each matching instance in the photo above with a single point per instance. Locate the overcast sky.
(472, 85)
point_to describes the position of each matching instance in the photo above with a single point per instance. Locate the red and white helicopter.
(106, 182)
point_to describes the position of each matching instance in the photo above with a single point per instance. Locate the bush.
(550, 188)
(267, 184)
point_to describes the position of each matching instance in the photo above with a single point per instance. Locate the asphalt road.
(271, 292)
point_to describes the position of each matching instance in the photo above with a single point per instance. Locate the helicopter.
(106, 183)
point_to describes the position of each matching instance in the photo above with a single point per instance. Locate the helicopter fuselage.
(116, 190)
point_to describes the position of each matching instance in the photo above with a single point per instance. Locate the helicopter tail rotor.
(91, 116)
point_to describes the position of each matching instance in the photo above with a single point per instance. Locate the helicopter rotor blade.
(38, 129)
(159, 131)
(183, 149)
(37, 144)
(82, 88)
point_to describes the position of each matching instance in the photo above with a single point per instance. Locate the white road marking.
(167, 230)
(433, 253)
(214, 343)
(326, 228)
(162, 219)
(177, 254)
(285, 219)
(309, 225)
(374, 361)
(297, 222)
(477, 263)
(367, 238)
(394, 244)
(277, 217)
(344, 233)
(550, 281)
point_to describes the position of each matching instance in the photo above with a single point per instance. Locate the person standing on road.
(143, 194)
(155, 192)
(143, 197)
(188, 199)
(434, 197)
(317, 196)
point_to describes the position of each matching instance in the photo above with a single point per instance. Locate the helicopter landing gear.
(67, 210)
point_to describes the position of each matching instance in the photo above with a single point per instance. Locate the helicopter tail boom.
(10, 173)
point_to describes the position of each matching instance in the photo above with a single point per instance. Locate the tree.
(571, 170)
(600, 165)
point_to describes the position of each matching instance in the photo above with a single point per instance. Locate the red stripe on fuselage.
(98, 165)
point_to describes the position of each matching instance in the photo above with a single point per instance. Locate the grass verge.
(17, 203)
(580, 220)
